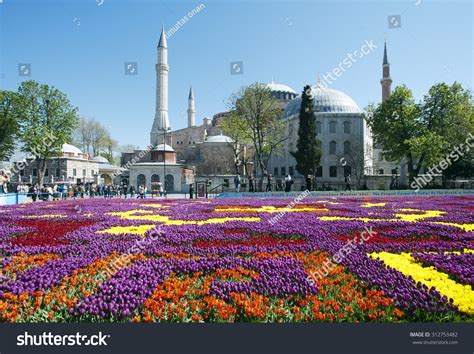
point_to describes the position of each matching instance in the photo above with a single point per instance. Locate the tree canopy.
(47, 121)
(308, 150)
(261, 116)
(9, 100)
(422, 133)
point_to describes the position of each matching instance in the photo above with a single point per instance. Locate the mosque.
(201, 152)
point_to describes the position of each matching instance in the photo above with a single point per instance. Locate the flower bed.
(338, 260)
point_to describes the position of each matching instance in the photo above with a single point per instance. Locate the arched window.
(318, 127)
(332, 127)
(141, 181)
(155, 178)
(347, 127)
(169, 183)
(347, 147)
(332, 147)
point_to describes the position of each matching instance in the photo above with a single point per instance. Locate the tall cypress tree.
(308, 153)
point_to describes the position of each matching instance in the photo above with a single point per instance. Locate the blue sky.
(80, 47)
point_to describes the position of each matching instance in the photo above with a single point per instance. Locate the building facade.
(341, 130)
(71, 166)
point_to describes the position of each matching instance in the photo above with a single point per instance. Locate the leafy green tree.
(308, 150)
(8, 122)
(235, 128)
(47, 121)
(264, 126)
(423, 133)
(92, 136)
(463, 168)
(110, 146)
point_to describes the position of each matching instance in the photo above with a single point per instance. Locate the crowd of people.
(269, 185)
(60, 191)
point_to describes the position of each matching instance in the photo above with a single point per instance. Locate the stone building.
(161, 167)
(72, 166)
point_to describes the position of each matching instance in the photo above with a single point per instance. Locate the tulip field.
(381, 259)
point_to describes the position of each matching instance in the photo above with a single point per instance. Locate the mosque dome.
(326, 100)
(219, 139)
(274, 87)
(163, 147)
(100, 159)
(70, 149)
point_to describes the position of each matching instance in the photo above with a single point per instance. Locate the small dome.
(163, 147)
(274, 87)
(219, 139)
(70, 149)
(326, 100)
(100, 159)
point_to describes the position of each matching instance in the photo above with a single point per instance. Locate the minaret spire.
(386, 80)
(191, 108)
(385, 59)
(162, 43)
(161, 121)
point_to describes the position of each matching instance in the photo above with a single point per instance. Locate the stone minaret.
(191, 109)
(386, 80)
(161, 121)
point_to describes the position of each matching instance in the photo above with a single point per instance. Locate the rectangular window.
(381, 171)
(58, 172)
(347, 127)
(83, 173)
(46, 173)
(318, 127)
(332, 171)
(394, 171)
(319, 171)
(22, 172)
(283, 171)
(275, 171)
(291, 170)
(35, 172)
(74, 172)
(332, 147)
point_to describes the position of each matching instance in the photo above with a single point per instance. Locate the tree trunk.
(41, 164)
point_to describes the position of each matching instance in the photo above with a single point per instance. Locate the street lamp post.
(164, 160)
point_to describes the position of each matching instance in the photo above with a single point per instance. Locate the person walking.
(347, 180)
(309, 182)
(191, 191)
(161, 189)
(132, 191)
(124, 190)
(140, 191)
(32, 193)
(62, 191)
(251, 182)
(288, 183)
(269, 183)
(237, 182)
